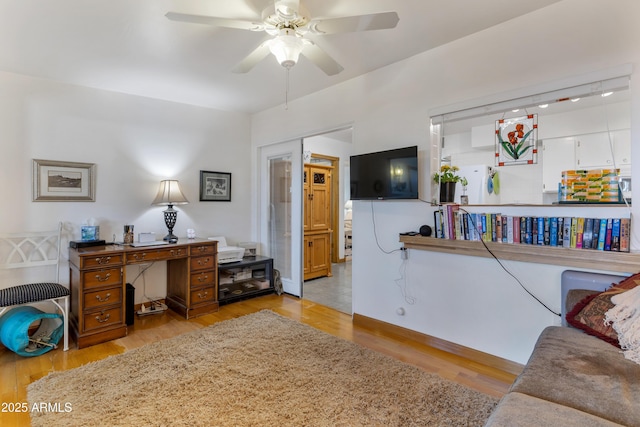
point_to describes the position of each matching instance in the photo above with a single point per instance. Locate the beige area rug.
(257, 370)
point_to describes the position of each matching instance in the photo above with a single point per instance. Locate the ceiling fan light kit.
(289, 23)
(286, 48)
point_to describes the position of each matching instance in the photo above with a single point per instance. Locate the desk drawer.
(104, 277)
(199, 296)
(205, 249)
(101, 261)
(202, 262)
(102, 318)
(103, 297)
(153, 255)
(203, 278)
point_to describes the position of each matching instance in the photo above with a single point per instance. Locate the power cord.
(143, 269)
(509, 272)
(375, 234)
(613, 160)
(402, 283)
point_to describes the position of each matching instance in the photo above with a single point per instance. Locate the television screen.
(391, 174)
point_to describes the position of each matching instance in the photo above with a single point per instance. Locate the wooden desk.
(98, 280)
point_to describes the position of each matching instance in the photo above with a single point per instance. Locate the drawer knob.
(102, 319)
(203, 278)
(177, 252)
(203, 262)
(140, 256)
(103, 279)
(103, 260)
(202, 249)
(203, 296)
(106, 297)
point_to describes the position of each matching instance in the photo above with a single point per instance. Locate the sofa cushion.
(589, 313)
(628, 283)
(574, 369)
(521, 410)
(574, 296)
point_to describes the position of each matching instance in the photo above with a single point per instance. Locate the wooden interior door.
(320, 198)
(317, 193)
(320, 258)
(317, 261)
(306, 198)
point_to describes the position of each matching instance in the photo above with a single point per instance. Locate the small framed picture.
(215, 186)
(55, 181)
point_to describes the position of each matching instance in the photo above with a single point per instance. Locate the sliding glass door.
(281, 210)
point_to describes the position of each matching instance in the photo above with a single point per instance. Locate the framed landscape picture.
(56, 181)
(215, 186)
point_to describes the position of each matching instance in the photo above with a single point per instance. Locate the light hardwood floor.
(17, 372)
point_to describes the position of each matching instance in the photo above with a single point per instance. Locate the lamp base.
(170, 216)
(171, 238)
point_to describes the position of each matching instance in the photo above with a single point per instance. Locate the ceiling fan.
(289, 23)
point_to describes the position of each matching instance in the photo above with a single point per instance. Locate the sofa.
(572, 379)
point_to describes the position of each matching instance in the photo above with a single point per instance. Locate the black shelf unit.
(251, 277)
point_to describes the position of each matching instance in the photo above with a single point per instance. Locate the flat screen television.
(391, 174)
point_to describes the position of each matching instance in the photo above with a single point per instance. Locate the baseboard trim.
(384, 328)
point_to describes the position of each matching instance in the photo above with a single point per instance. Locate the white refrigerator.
(483, 184)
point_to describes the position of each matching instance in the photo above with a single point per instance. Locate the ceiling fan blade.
(374, 21)
(215, 21)
(252, 59)
(322, 60)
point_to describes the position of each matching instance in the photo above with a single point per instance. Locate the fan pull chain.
(286, 91)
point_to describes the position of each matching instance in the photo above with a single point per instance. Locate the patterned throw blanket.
(625, 319)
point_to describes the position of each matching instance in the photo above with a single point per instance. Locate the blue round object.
(14, 330)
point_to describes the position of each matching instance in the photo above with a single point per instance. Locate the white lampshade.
(286, 48)
(169, 193)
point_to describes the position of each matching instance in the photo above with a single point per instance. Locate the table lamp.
(170, 194)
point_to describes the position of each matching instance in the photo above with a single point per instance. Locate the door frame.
(335, 202)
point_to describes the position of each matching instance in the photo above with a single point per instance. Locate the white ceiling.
(129, 46)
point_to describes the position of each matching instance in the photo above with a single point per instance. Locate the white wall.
(465, 300)
(134, 142)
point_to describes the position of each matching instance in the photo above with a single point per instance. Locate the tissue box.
(90, 232)
(146, 237)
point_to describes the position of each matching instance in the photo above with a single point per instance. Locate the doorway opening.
(327, 218)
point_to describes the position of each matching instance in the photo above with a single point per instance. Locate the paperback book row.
(604, 234)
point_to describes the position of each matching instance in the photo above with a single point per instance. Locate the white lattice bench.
(28, 250)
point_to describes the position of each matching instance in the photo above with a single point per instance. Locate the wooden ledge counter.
(625, 262)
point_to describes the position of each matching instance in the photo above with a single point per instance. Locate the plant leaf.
(509, 149)
(524, 150)
(524, 139)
